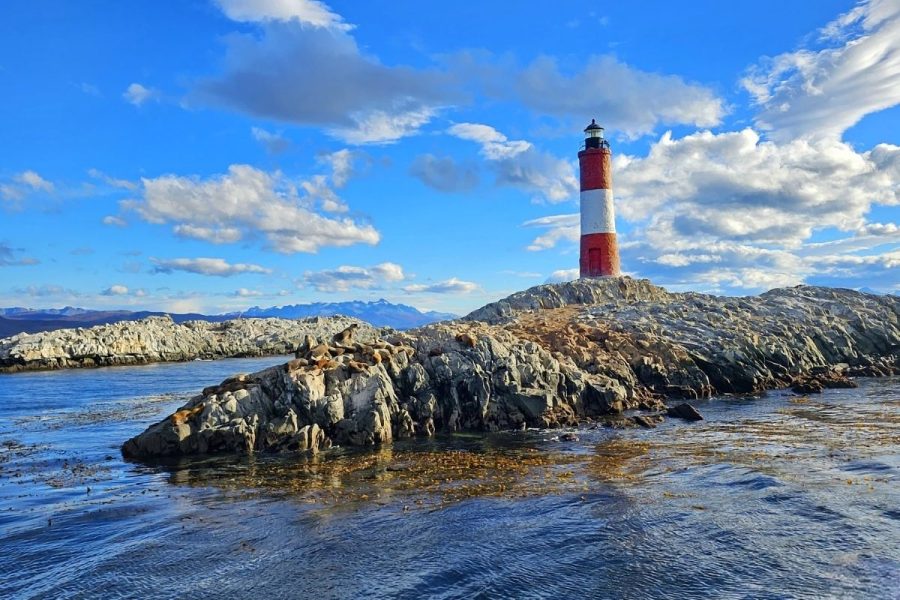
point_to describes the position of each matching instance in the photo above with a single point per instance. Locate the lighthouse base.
(599, 255)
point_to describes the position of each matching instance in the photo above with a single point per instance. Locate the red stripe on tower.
(599, 248)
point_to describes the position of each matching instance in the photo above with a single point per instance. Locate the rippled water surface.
(771, 497)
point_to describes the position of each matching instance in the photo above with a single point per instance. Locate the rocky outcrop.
(159, 339)
(549, 356)
(578, 292)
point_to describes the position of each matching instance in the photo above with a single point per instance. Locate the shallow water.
(770, 497)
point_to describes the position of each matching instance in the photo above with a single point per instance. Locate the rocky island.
(550, 356)
(160, 339)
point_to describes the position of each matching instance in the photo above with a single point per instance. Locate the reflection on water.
(778, 496)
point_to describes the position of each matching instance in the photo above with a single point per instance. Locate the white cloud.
(114, 221)
(206, 266)
(222, 235)
(137, 94)
(450, 286)
(247, 202)
(115, 290)
(34, 181)
(559, 228)
(382, 126)
(246, 293)
(563, 275)
(518, 164)
(112, 181)
(346, 277)
(22, 185)
(274, 143)
(318, 76)
(820, 93)
(494, 145)
(308, 12)
(341, 164)
(734, 186)
(630, 100)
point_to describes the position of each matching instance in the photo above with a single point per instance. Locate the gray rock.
(159, 339)
(684, 411)
(547, 357)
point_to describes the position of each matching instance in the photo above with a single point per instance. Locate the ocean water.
(774, 496)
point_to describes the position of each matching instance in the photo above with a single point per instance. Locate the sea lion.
(435, 351)
(357, 367)
(382, 355)
(345, 337)
(184, 415)
(326, 364)
(305, 345)
(465, 339)
(297, 363)
(319, 351)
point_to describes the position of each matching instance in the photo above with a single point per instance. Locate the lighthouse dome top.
(594, 130)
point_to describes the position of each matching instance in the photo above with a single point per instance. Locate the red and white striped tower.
(599, 249)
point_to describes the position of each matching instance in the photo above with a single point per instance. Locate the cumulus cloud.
(221, 235)
(9, 258)
(345, 278)
(449, 286)
(318, 76)
(517, 163)
(629, 99)
(115, 290)
(444, 173)
(558, 228)
(494, 145)
(822, 91)
(206, 266)
(247, 202)
(33, 181)
(138, 95)
(308, 12)
(734, 186)
(302, 65)
(23, 184)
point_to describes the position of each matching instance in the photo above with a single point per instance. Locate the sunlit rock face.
(160, 339)
(550, 356)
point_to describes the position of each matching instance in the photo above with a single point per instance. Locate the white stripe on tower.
(597, 212)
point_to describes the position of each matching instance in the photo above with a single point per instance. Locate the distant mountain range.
(380, 313)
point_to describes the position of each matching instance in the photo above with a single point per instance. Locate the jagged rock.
(547, 357)
(650, 421)
(684, 411)
(159, 339)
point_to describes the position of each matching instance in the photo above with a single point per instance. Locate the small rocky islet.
(554, 355)
(160, 339)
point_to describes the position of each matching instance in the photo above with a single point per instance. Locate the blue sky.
(216, 154)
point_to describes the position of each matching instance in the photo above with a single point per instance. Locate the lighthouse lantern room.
(599, 248)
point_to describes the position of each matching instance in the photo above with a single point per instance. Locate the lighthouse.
(599, 249)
